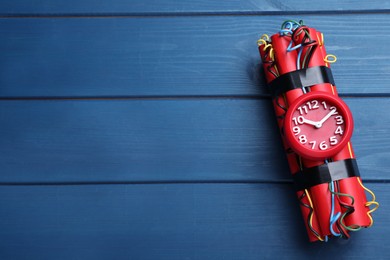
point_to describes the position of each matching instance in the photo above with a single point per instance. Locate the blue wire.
(289, 48)
(288, 27)
(291, 25)
(285, 31)
(299, 57)
(333, 217)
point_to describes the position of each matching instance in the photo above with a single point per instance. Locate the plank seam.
(195, 13)
(178, 182)
(177, 97)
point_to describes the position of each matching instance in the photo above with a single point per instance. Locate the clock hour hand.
(309, 122)
(319, 124)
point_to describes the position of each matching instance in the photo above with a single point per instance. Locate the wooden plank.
(191, 221)
(184, 6)
(174, 56)
(165, 140)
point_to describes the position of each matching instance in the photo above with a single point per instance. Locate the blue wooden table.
(144, 130)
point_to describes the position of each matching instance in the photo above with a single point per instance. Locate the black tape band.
(326, 173)
(301, 78)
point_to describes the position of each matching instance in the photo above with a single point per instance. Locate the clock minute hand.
(319, 124)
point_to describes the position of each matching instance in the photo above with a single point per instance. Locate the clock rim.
(297, 147)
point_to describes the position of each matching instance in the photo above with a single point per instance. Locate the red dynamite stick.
(311, 42)
(267, 61)
(359, 217)
(305, 210)
(285, 60)
(321, 197)
(287, 63)
(318, 59)
(327, 87)
(352, 187)
(320, 194)
(279, 102)
(280, 44)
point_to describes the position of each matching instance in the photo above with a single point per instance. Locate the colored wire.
(269, 56)
(343, 232)
(299, 57)
(268, 45)
(294, 24)
(308, 55)
(264, 37)
(285, 32)
(332, 60)
(289, 48)
(369, 203)
(288, 27)
(306, 42)
(349, 209)
(280, 105)
(333, 217)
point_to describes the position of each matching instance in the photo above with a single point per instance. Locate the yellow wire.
(261, 42)
(350, 150)
(333, 60)
(369, 203)
(263, 39)
(271, 51)
(320, 40)
(332, 89)
(311, 216)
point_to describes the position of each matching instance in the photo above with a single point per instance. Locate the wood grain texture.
(184, 6)
(142, 129)
(174, 56)
(192, 221)
(164, 140)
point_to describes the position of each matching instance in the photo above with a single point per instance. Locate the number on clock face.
(313, 104)
(317, 125)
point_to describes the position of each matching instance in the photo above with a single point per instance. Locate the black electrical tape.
(301, 78)
(325, 173)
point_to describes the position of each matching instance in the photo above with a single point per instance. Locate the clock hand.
(319, 124)
(309, 122)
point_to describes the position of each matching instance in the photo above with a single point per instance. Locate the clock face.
(318, 125)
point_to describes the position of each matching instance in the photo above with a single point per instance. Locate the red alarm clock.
(318, 125)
